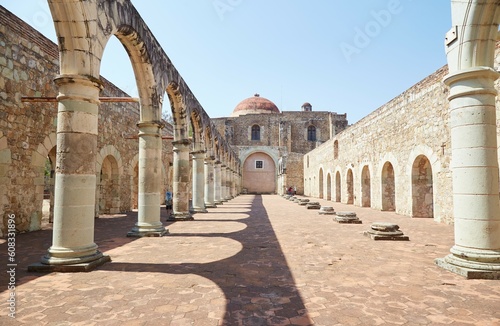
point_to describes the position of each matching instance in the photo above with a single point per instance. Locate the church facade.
(271, 143)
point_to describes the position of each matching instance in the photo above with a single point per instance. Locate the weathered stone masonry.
(396, 158)
(410, 135)
(28, 65)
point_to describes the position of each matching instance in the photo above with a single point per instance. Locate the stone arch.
(329, 186)
(422, 188)
(197, 131)
(179, 113)
(320, 183)
(109, 188)
(44, 154)
(259, 180)
(109, 170)
(350, 187)
(273, 154)
(338, 187)
(209, 141)
(435, 169)
(388, 190)
(470, 47)
(365, 187)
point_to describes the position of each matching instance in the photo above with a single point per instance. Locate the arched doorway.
(338, 189)
(328, 186)
(422, 188)
(48, 189)
(365, 187)
(109, 188)
(388, 188)
(320, 183)
(259, 174)
(350, 187)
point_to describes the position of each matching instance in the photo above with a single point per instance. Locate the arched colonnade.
(215, 165)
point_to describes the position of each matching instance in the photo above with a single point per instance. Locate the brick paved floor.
(256, 260)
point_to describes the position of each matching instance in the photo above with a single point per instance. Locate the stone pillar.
(181, 181)
(228, 183)
(235, 184)
(73, 247)
(198, 182)
(280, 184)
(223, 183)
(150, 192)
(476, 210)
(217, 183)
(209, 183)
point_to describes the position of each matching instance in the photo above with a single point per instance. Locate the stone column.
(223, 183)
(150, 192)
(73, 247)
(217, 183)
(235, 184)
(198, 182)
(228, 183)
(181, 181)
(476, 210)
(209, 183)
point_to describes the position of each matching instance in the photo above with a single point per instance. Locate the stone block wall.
(295, 172)
(28, 64)
(288, 128)
(396, 158)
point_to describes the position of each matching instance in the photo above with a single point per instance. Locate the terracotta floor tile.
(256, 260)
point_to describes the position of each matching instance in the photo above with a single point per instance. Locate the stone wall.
(396, 158)
(295, 172)
(283, 134)
(28, 65)
(288, 128)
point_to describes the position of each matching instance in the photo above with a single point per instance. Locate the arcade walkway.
(256, 260)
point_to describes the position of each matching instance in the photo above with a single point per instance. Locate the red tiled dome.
(255, 105)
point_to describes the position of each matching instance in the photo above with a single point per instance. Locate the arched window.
(255, 132)
(336, 149)
(311, 133)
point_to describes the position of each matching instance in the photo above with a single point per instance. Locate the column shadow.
(257, 281)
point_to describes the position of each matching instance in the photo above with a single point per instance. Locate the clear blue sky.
(343, 56)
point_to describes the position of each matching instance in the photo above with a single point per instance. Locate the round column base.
(180, 217)
(147, 230)
(472, 263)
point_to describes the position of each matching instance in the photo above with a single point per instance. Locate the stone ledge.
(73, 268)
